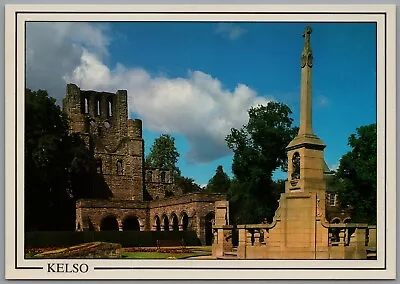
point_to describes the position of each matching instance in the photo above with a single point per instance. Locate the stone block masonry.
(141, 199)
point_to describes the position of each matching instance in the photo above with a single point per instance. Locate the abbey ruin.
(139, 198)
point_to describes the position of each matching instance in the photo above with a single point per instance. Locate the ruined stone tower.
(141, 198)
(101, 118)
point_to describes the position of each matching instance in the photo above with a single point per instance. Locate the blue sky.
(196, 80)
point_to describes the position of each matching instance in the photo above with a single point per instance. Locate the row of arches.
(172, 223)
(202, 225)
(110, 223)
(337, 220)
(149, 177)
(97, 106)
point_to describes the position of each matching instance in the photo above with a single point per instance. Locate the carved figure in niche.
(119, 167)
(295, 166)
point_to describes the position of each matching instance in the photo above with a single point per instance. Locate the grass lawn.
(196, 251)
(193, 251)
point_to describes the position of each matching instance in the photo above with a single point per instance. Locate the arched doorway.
(175, 223)
(109, 223)
(157, 223)
(335, 232)
(131, 223)
(209, 220)
(166, 223)
(185, 221)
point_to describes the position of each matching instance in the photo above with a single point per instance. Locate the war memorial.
(300, 229)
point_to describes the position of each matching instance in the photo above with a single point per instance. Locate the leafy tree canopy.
(220, 182)
(187, 185)
(163, 154)
(356, 175)
(57, 165)
(259, 149)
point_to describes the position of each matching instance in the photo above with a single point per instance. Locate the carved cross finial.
(306, 35)
(307, 32)
(306, 56)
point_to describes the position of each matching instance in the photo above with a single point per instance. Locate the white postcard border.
(198, 269)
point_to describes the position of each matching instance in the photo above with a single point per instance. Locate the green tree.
(187, 185)
(57, 165)
(356, 175)
(220, 182)
(259, 149)
(163, 154)
(46, 165)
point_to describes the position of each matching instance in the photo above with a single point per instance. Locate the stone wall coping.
(350, 225)
(225, 227)
(255, 226)
(187, 198)
(131, 204)
(109, 203)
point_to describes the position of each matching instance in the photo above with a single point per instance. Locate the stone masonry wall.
(118, 145)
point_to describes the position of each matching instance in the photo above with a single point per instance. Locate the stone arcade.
(300, 229)
(137, 198)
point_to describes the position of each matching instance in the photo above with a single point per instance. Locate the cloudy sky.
(197, 80)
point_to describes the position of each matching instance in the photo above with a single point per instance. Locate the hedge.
(42, 239)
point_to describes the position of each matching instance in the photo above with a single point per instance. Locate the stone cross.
(306, 78)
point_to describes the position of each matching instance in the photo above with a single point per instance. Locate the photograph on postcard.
(190, 143)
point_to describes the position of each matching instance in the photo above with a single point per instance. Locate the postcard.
(200, 142)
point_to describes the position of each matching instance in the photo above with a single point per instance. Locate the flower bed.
(31, 252)
(153, 249)
(87, 250)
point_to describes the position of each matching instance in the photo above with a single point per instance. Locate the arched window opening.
(162, 177)
(347, 220)
(109, 223)
(175, 224)
(332, 199)
(149, 176)
(185, 221)
(119, 167)
(166, 223)
(98, 110)
(335, 221)
(158, 224)
(87, 126)
(86, 105)
(109, 107)
(79, 226)
(131, 223)
(209, 220)
(99, 166)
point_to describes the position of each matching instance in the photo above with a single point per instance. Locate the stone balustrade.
(345, 241)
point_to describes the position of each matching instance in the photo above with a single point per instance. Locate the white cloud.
(322, 101)
(196, 106)
(52, 49)
(232, 31)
